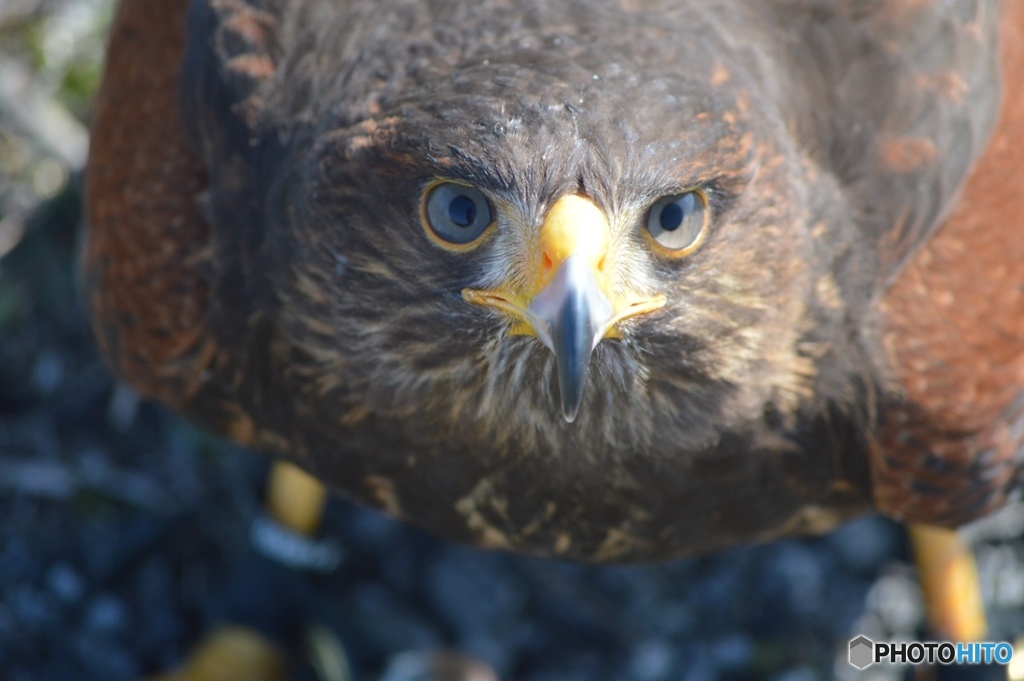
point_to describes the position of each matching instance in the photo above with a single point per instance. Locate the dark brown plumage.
(838, 332)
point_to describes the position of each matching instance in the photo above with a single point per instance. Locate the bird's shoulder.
(897, 100)
(953, 332)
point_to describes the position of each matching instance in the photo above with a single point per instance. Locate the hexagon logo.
(862, 652)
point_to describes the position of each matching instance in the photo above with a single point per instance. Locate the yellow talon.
(295, 498)
(231, 653)
(949, 578)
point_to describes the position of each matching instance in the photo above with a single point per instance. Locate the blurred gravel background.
(123, 530)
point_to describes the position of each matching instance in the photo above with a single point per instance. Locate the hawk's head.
(539, 229)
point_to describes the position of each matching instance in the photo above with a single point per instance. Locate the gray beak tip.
(572, 395)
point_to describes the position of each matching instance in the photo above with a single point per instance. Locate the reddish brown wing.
(953, 331)
(149, 259)
(147, 241)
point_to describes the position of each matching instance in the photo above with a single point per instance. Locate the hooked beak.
(568, 305)
(571, 315)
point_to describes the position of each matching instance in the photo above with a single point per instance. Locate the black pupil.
(673, 214)
(462, 211)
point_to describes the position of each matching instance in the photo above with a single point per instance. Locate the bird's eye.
(678, 223)
(456, 214)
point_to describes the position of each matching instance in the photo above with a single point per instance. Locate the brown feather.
(953, 328)
(147, 242)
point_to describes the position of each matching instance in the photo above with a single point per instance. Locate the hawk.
(601, 279)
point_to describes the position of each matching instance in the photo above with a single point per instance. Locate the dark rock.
(380, 624)
(106, 614)
(65, 582)
(654, 660)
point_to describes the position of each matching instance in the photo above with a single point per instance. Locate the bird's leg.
(294, 500)
(949, 578)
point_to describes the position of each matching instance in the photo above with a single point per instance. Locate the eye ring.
(678, 223)
(456, 216)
